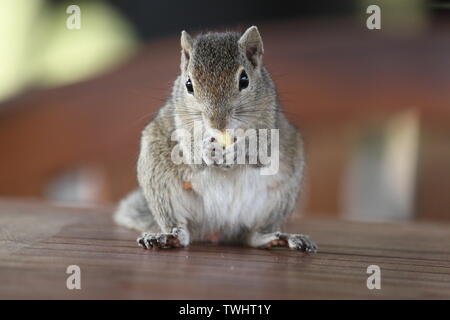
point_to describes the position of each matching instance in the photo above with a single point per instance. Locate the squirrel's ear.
(252, 45)
(186, 48)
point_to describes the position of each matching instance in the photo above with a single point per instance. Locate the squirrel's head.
(222, 80)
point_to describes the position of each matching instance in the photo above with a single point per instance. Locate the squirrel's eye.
(243, 80)
(189, 86)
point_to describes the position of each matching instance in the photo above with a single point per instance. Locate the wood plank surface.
(39, 241)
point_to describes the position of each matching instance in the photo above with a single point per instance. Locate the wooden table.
(39, 241)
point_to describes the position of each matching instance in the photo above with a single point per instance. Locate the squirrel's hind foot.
(287, 240)
(158, 240)
(177, 238)
(299, 242)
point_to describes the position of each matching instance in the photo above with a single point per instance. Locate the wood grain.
(39, 241)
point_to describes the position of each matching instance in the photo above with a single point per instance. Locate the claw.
(301, 242)
(292, 241)
(141, 242)
(157, 240)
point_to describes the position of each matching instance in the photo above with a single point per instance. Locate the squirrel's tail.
(133, 212)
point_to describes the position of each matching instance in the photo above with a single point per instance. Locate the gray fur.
(133, 213)
(235, 201)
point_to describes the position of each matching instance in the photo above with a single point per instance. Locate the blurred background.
(373, 105)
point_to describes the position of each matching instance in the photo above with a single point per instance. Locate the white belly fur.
(231, 199)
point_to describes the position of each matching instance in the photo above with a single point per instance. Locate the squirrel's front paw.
(177, 238)
(215, 154)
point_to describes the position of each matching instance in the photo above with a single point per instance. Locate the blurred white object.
(80, 186)
(380, 181)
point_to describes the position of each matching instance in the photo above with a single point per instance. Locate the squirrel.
(222, 85)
